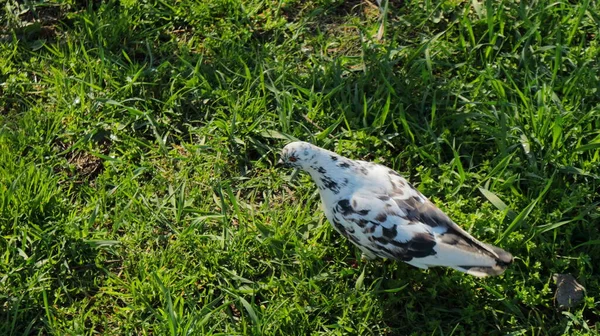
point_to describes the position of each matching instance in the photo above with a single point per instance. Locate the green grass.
(138, 137)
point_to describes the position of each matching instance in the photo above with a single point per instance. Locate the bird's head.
(297, 154)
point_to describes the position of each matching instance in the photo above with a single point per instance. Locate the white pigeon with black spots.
(385, 216)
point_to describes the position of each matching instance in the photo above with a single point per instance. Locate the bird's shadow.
(433, 300)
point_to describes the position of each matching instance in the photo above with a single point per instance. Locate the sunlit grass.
(137, 143)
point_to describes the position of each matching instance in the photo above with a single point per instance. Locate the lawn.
(138, 193)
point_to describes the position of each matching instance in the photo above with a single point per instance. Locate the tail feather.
(469, 256)
(481, 259)
(504, 258)
(490, 265)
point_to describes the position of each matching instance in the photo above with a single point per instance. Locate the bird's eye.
(292, 159)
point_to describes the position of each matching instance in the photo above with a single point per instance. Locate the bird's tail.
(494, 263)
(464, 253)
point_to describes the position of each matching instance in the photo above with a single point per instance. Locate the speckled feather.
(385, 216)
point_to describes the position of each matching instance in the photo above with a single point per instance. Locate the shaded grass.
(137, 138)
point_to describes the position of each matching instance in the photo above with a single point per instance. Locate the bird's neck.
(330, 172)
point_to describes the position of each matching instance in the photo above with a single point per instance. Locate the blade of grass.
(518, 221)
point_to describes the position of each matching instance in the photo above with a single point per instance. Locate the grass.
(138, 137)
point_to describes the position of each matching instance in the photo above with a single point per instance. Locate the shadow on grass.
(60, 273)
(413, 300)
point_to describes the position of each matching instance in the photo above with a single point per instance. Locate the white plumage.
(382, 214)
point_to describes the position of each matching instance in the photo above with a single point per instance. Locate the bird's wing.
(378, 224)
(419, 209)
(398, 222)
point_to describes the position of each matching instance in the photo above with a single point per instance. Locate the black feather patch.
(390, 233)
(420, 246)
(362, 223)
(396, 190)
(340, 227)
(392, 172)
(429, 214)
(330, 184)
(382, 217)
(409, 206)
(347, 210)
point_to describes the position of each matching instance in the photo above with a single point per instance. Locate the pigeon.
(385, 216)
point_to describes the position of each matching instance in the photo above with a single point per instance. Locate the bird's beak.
(280, 164)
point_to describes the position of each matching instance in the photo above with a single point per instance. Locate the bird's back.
(384, 214)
